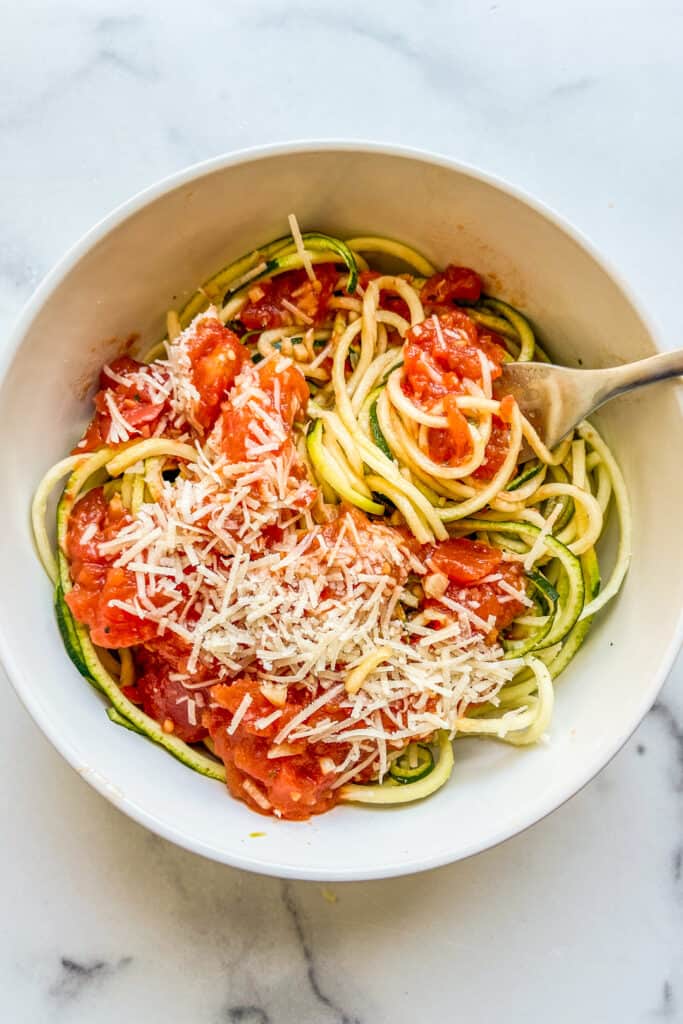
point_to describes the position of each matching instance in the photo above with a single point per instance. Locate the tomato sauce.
(439, 354)
(454, 284)
(366, 535)
(267, 310)
(293, 779)
(467, 564)
(464, 561)
(216, 357)
(283, 396)
(164, 698)
(387, 300)
(295, 783)
(443, 351)
(495, 452)
(133, 399)
(97, 581)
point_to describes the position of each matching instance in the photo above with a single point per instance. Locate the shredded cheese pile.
(230, 560)
(304, 612)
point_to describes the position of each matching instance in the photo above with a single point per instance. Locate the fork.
(555, 398)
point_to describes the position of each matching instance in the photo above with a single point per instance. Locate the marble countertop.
(579, 919)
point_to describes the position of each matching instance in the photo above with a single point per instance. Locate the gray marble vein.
(247, 1015)
(329, 1005)
(667, 1007)
(665, 712)
(76, 976)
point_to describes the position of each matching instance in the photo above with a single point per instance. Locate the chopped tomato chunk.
(280, 390)
(165, 699)
(217, 356)
(443, 351)
(453, 284)
(269, 300)
(507, 407)
(287, 778)
(132, 395)
(465, 561)
(454, 445)
(97, 582)
(366, 538)
(91, 600)
(92, 510)
(486, 599)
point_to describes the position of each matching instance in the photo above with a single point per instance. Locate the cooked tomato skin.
(464, 561)
(312, 298)
(452, 284)
(507, 408)
(454, 445)
(135, 404)
(217, 356)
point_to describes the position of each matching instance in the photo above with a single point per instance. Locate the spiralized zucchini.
(366, 443)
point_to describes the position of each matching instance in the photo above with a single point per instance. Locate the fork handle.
(619, 379)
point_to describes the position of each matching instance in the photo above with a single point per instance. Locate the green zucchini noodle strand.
(96, 664)
(527, 715)
(390, 792)
(153, 447)
(616, 480)
(520, 324)
(373, 243)
(39, 510)
(136, 719)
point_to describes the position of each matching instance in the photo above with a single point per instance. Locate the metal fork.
(555, 398)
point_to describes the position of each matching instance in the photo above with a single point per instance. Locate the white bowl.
(148, 255)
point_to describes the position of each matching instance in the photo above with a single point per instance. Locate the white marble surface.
(579, 919)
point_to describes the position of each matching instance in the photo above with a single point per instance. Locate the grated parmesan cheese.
(240, 713)
(539, 544)
(296, 613)
(300, 248)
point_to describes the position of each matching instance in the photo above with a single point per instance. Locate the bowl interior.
(151, 255)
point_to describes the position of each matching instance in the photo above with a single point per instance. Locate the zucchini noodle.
(405, 423)
(39, 511)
